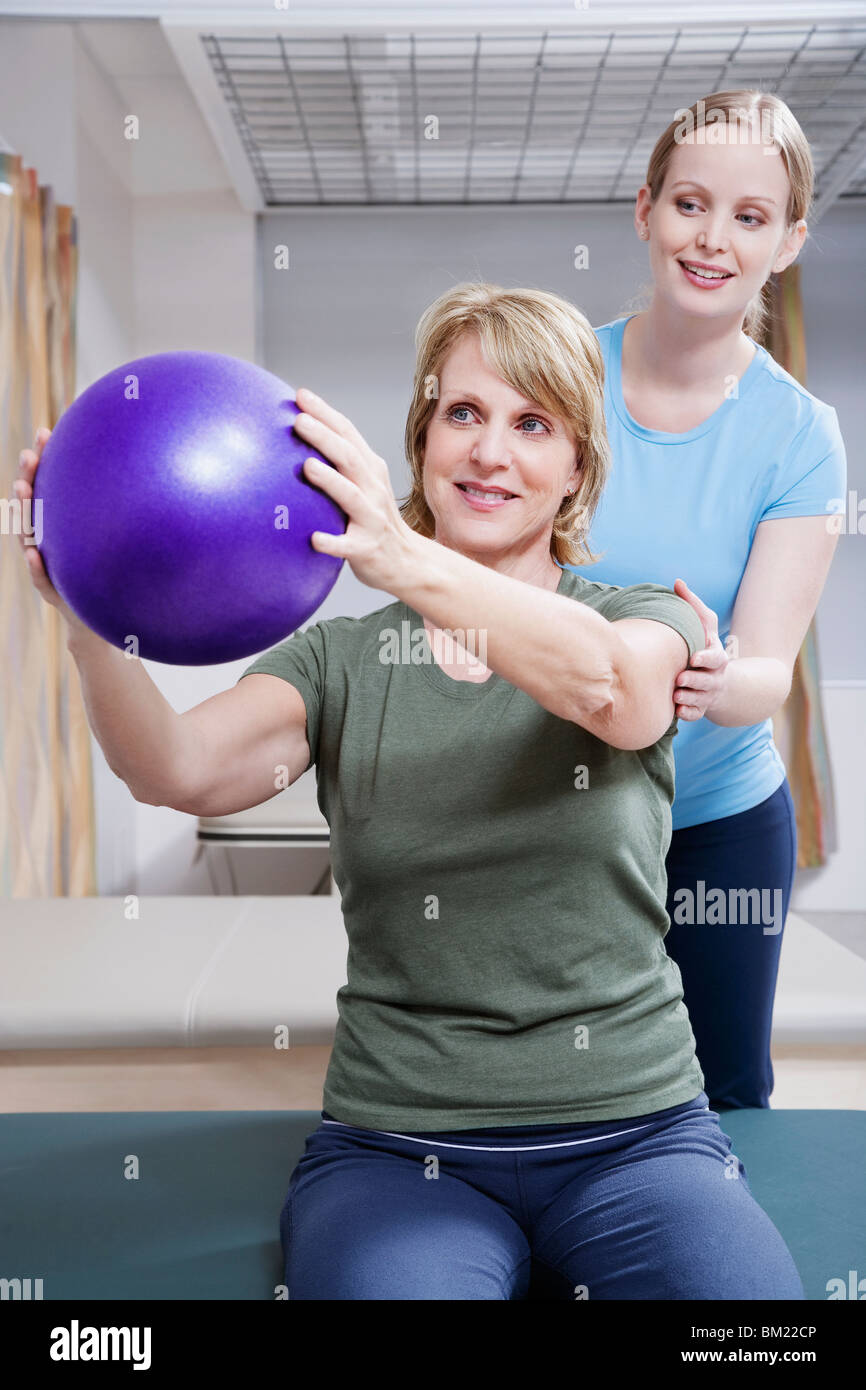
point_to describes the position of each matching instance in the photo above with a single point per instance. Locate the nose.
(712, 236)
(491, 445)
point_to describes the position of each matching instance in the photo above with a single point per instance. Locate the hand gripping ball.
(174, 510)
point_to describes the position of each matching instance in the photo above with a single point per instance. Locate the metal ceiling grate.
(535, 117)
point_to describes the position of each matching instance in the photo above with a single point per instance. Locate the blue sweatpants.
(729, 967)
(653, 1207)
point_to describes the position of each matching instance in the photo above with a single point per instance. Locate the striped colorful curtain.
(47, 840)
(798, 728)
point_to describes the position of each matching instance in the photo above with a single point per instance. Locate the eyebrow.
(750, 198)
(471, 396)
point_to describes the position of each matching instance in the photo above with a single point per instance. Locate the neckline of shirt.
(614, 380)
(433, 672)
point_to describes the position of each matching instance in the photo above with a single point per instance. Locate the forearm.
(560, 652)
(755, 688)
(135, 726)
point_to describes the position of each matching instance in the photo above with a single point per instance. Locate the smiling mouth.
(704, 274)
(484, 496)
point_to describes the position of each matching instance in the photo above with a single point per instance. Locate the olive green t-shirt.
(503, 885)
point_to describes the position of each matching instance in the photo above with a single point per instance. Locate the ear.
(643, 204)
(791, 245)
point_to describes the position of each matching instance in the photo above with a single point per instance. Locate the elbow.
(144, 797)
(600, 707)
(786, 680)
(147, 796)
(629, 730)
(137, 793)
(771, 708)
(625, 719)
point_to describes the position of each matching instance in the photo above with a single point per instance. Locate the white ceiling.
(332, 114)
(354, 14)
(535, 116)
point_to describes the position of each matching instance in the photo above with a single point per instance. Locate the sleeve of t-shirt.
(813, 483)
(301, 660)
(660, 605)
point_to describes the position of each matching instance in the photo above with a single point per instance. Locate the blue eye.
(451, 414)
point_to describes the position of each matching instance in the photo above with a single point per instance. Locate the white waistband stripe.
(492, 1148)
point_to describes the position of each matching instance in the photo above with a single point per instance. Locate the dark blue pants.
(654, 1207)
(729, 967)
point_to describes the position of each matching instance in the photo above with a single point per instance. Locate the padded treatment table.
(202, 1219)
(222, 972)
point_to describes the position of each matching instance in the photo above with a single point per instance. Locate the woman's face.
(723, 204)
(483, 434)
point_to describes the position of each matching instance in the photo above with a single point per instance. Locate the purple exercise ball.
(175, 510)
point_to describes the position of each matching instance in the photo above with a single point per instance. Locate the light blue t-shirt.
(687, 506)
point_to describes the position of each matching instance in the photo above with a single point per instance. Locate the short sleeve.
(659, 605)
(815, 483)
(300, 660)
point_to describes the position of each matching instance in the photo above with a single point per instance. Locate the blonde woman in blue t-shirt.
(725, 468)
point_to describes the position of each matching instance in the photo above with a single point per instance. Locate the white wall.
(37, 99)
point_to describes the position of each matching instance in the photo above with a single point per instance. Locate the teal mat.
(202, 1219)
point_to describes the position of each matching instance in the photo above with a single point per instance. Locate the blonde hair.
(543, 347)
(745, 105)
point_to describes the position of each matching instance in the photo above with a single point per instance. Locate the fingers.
(711, 658)
(326, 428)
(28, 459)
(340, 451)
(689, 713)
(314, 408)
(23, 490)
(707, 615)
(695, 680)
(22, 486)
(340, 489)
(348, 496)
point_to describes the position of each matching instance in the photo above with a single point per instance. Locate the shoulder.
(653, 601)
(600, 595)
(352, 635)
(606, 332)
(330, 642)
(802, 412)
